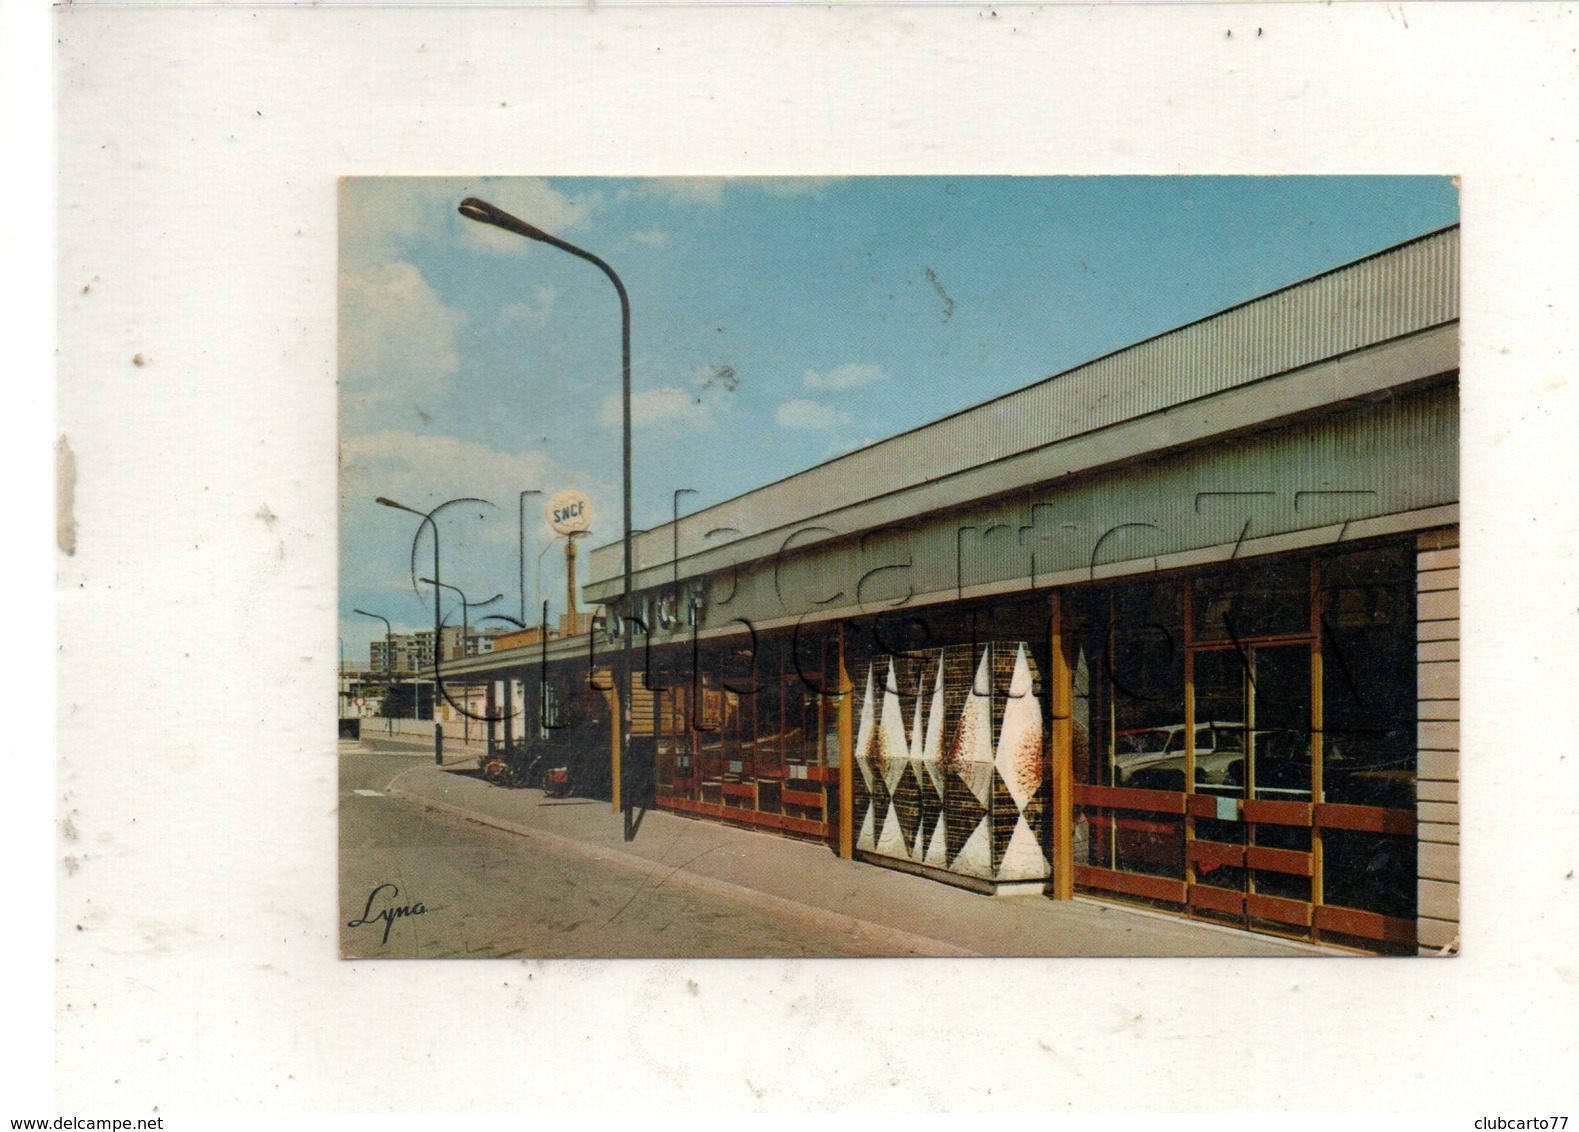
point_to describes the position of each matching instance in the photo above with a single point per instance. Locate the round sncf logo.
(570, 512)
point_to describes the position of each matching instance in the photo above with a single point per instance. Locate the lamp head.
(384, 502)
(485, 213)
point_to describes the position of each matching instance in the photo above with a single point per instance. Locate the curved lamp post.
(485, 213)
(521, 546)
(543, 605)
(429, 518)
(674, 529)
(466, 631)
(389, 655)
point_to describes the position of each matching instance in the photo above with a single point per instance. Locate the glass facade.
(1245, 742)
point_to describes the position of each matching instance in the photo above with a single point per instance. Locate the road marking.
(369, 793)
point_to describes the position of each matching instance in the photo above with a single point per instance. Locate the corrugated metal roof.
(1394, 293)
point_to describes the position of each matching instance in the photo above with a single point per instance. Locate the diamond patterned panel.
(951, 751)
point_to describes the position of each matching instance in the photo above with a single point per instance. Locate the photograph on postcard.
(892, 566)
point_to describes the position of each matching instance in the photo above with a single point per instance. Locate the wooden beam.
(1134, 884)
(1365, 819)
(1129, 798)
(1367, 925)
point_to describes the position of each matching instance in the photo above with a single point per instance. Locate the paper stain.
(65, 496)
(937, 285)
(266, 514)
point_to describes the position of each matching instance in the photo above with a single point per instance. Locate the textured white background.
(198, 152)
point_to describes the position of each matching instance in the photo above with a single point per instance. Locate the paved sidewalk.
(907, 915)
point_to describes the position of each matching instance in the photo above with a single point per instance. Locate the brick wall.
(1436, 808)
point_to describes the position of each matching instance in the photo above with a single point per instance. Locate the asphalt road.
(471, 891)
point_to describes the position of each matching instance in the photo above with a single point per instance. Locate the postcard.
(782, 567)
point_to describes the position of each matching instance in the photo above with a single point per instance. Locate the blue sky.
(775, 323)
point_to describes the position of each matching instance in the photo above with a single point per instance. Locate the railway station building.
(1177, 627)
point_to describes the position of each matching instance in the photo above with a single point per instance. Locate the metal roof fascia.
(1265, 403)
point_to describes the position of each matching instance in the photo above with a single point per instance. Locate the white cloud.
(531, 200)
(537, 309)
(843, 377)
(378, 214)
(710, 190)
(809, 415)
(652, 238)
(794, 186)
(688, 190)
(479, 543)
(397, 337)
(419, 469)
(659, 408)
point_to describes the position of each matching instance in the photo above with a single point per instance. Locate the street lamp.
(466, 632)
(485, 213)
(389, 657)
(674, 528)
(429, 518)
(521, 546)
(543, 605)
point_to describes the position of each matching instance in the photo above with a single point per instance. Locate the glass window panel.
(740, 669)
(1085, 628)
(1270, 598)
(1220, 712)
(1281, 739)
(1369, 678)
(1374, 872)
(1145, 668)
(772, 726)
(1268, 882)
(1149, 843)
(1231, 877)
(1094, 836)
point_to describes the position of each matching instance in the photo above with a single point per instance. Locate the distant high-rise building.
(411, 652)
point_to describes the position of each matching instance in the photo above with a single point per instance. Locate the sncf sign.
(570, 512)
